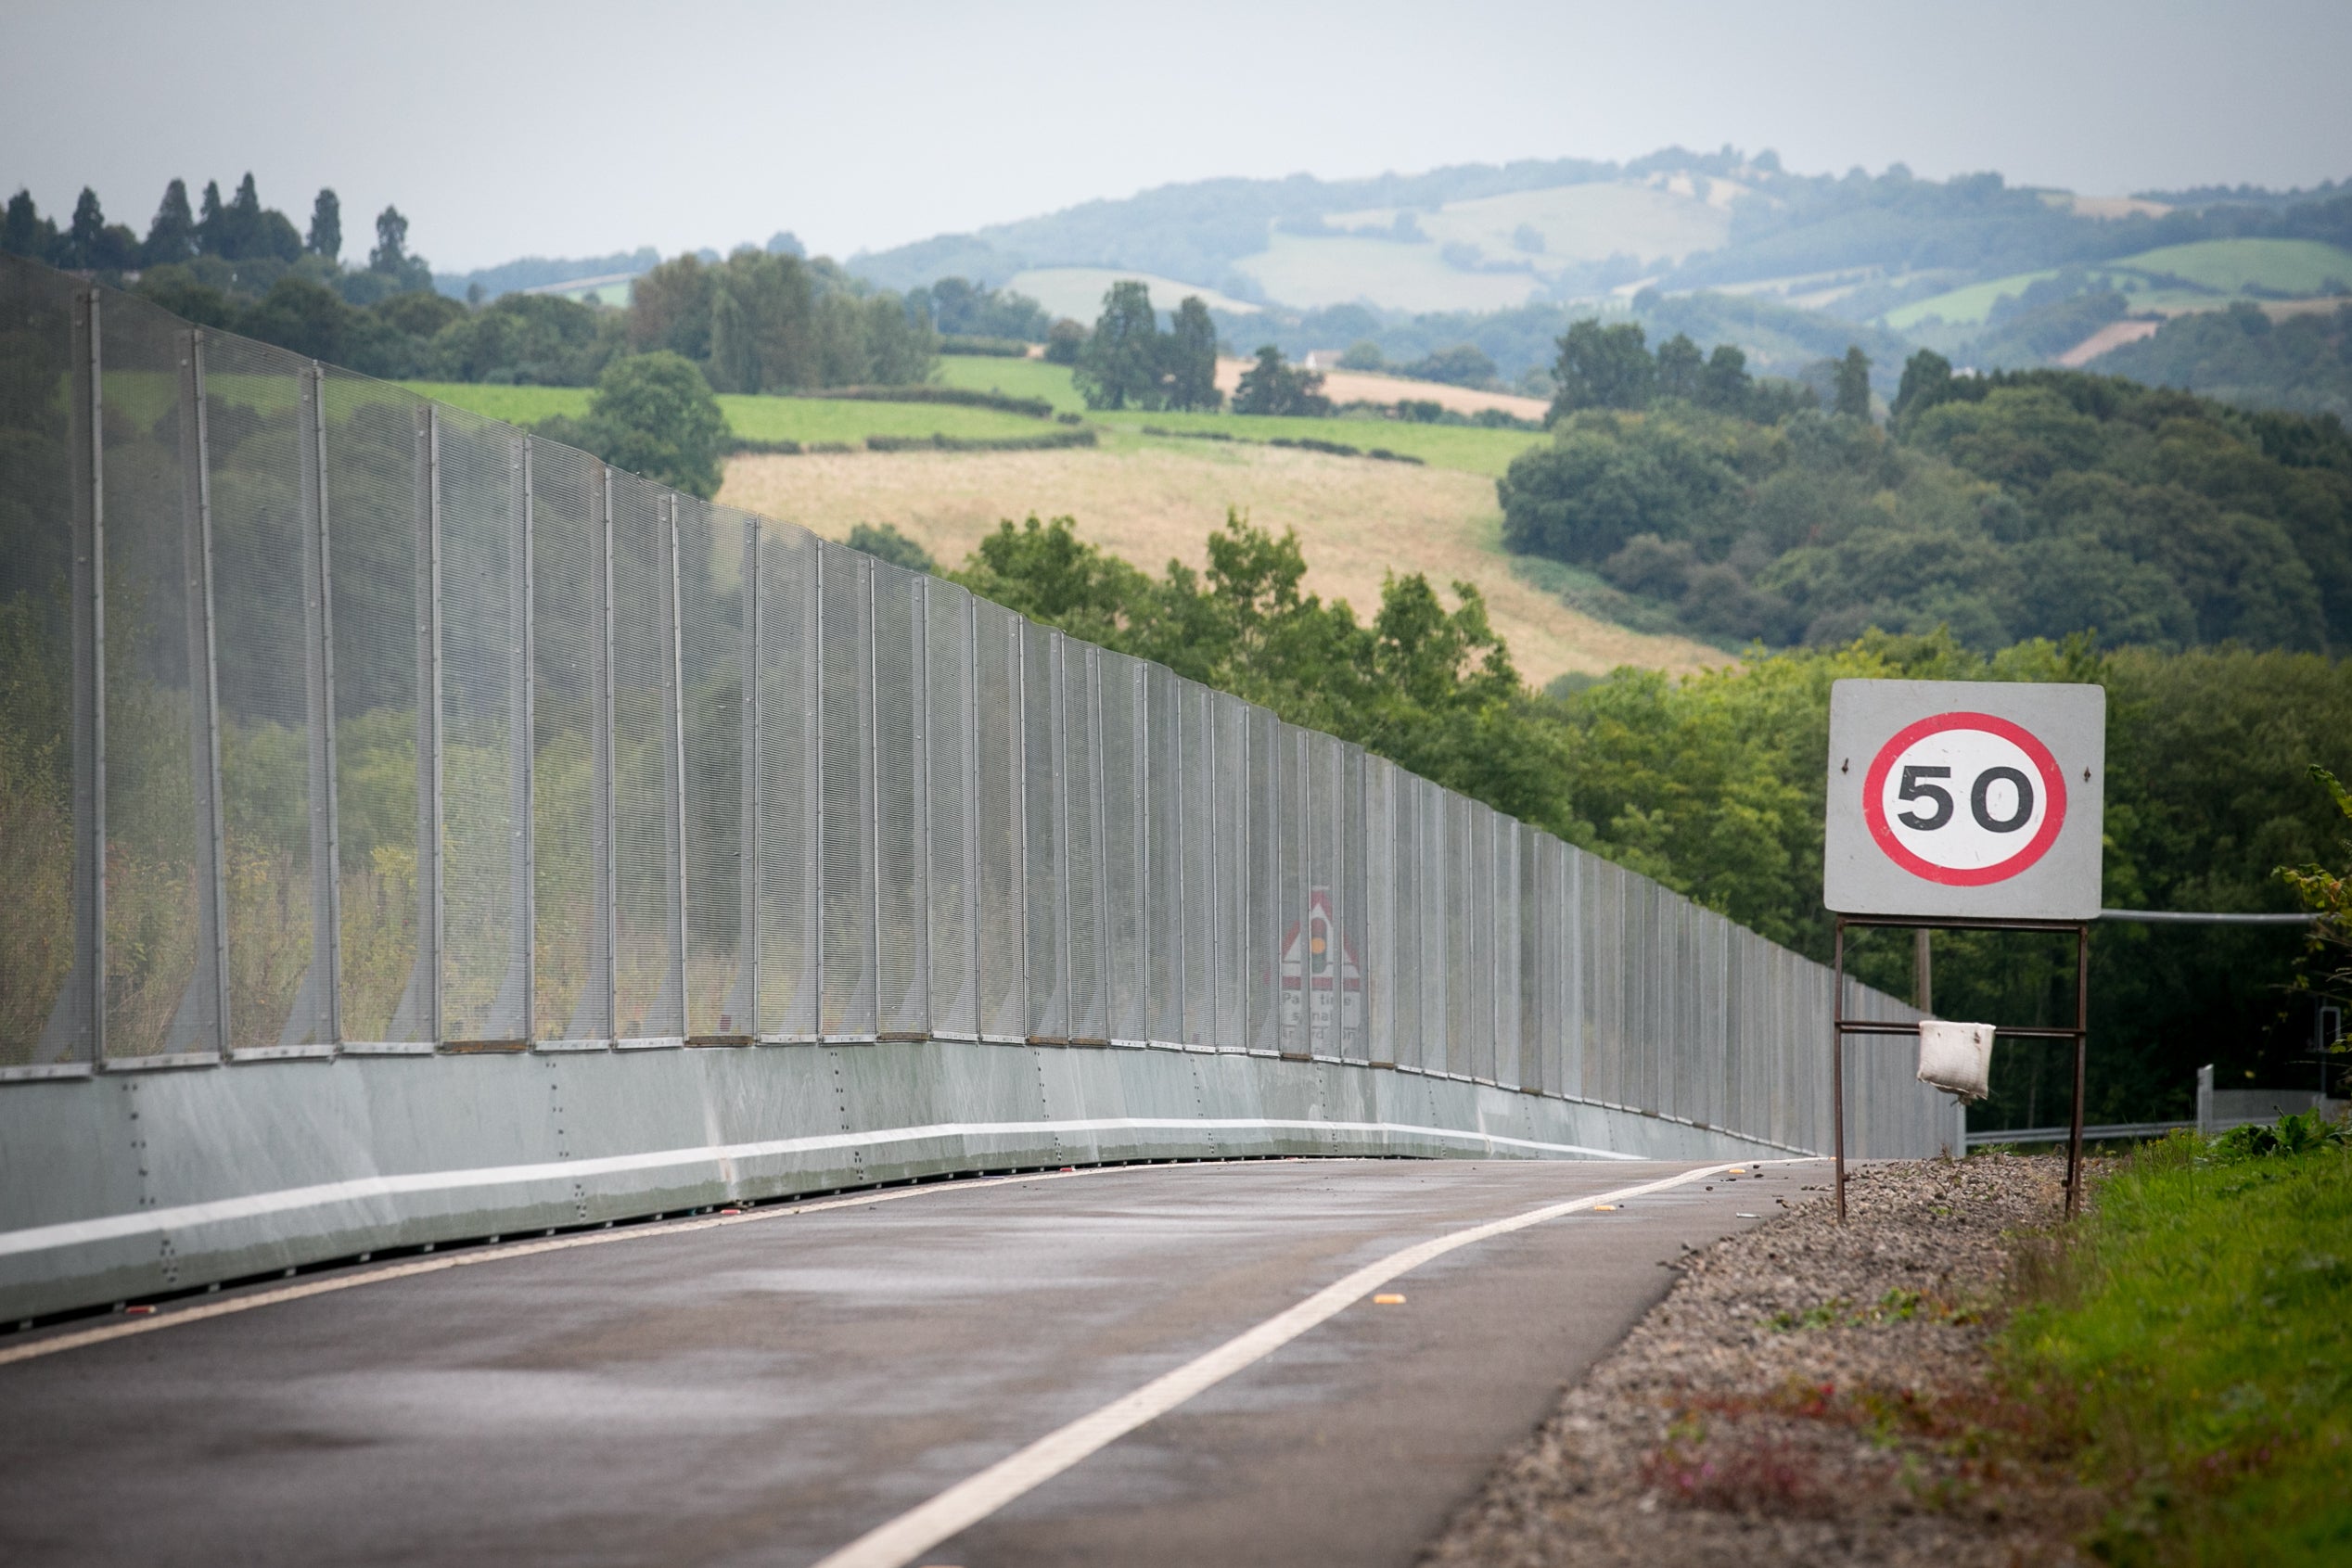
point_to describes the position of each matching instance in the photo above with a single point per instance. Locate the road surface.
(773, 1388)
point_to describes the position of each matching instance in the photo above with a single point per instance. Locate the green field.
(1466, 448)
(2226, 266)
(1018, 379)
(760, 418)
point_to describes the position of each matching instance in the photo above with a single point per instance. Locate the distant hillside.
(2302, 365)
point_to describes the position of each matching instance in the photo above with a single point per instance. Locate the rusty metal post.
(2082, 1044)
(1837, 1061)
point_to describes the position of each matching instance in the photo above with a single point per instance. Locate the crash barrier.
(407, 784)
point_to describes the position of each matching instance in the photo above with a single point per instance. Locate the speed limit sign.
(1964, 798)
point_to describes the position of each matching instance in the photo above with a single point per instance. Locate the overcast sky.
(505, 130)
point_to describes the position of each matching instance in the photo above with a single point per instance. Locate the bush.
(654, 414)
(984, 348)
(887, 543)
(1035, 408)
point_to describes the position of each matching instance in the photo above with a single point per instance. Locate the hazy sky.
(509, 129)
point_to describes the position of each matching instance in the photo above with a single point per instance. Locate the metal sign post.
(1964, 806)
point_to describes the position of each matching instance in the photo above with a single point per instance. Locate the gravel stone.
(1807, 1393)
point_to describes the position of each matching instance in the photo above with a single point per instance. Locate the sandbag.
(1956, 1058)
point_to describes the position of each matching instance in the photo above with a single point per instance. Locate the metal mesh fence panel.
(1411, 872)
(164, 901)
(1045, 845)
(1378, 837)
(1528, 949)
(716, 611)
(1355, 907)
(570, 804)
(791, 910)
(485, 756)
(1081, 782)
(48, 815)
(1201, 856)
(378, 526)
(649, 967)
(1001, 821)
(1440, 918)
(1503, 836)
(1285, 941)
(903, 934)
(262, 530)
(950, 803)
(1125, 795)
(845, 647)
(1321, 956)
(1168, 895)
(1261, 871)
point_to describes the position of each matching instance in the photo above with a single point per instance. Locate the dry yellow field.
(1356, 520)
(1357, 385)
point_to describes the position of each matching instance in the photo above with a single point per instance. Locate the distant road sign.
(1965, 799)
(1319, 964)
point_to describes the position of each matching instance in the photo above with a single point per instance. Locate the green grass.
(1465, 446)
(2198, 1329)
(2226, 266)
(756, 418)
(1018, 379)
(2286, 266)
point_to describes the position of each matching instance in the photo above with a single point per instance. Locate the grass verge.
(2195, 1336)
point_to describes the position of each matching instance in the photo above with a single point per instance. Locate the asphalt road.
(765, 1391)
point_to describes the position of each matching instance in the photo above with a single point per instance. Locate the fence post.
(322, 998)
(204, 1006)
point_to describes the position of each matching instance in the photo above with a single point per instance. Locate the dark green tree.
(1065, 340)
(1927, 376)
(1603, 367)
(304, 317)
(655, 414)
(390, 255)
(210, 227)
(25, 231)
(887, 543)
(1192, 358)
(1121, 366)
(171, 233)
(1853, 384)
(327, 225)
(1270, 386)
(1726, 385)
(92, 243)
(1682, 368)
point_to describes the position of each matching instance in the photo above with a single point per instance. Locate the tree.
(1603, 367)
(92, 243)
(171, 233)
(654, 414)
(1065, 340)
(1853, 384)
(1191, 349)
(1120, 367)
(25, 231)
(390, 255)
(1682, 368)
(210, 227)
(887, 543)
(1726, 387)
(1270, 387)
(1465, 365)
(327, 225)
(1927, 376)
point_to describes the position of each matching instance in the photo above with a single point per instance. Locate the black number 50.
(1913, 788)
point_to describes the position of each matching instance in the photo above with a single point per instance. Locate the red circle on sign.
(2053, 784)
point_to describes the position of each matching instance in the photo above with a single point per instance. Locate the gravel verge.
(1807, 1393)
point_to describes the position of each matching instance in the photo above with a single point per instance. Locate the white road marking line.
(171, 1317)
(903, 1539)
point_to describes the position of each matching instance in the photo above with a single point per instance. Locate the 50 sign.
(1964, 798)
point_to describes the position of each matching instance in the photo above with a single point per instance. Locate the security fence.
(335, 720)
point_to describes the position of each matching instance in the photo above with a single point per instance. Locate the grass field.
(1468, 449)
(760, 418)
(1018, 378)
(2227, 266)
(1148, 501)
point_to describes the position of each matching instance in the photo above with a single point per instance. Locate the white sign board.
(1965, 799)
(1319, 966)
